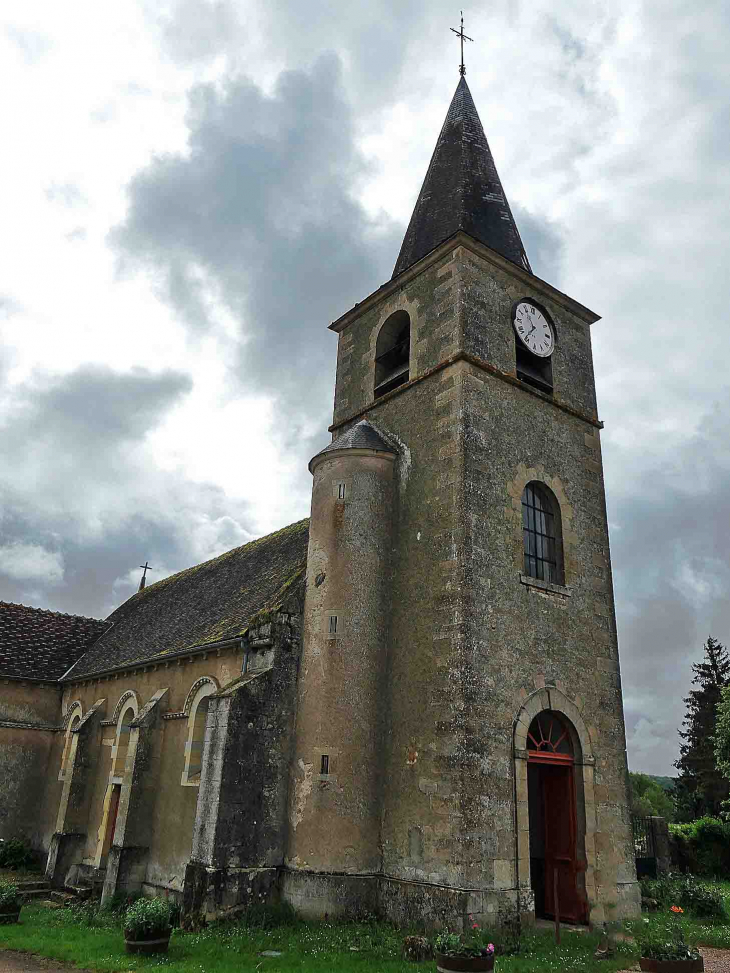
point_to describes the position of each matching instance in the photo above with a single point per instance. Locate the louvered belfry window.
(539, 530)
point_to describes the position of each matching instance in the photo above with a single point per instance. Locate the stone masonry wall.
(30, 714)
(469, 641)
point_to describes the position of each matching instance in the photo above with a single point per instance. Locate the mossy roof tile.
(208, 603)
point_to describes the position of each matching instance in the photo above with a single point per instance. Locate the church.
(408, 704)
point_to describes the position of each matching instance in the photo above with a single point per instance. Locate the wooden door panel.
(558, 802)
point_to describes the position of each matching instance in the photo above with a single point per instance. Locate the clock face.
(533, 329)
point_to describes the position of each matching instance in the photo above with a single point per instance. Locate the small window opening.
(533, 370)
(333, 624)
(393, 353)
(341, 490)
(325, 765)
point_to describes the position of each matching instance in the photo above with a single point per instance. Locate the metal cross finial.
(145, 568)
(463, 37)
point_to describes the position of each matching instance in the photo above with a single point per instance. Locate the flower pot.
(672, 965)
(156, 942)
(464, 964)
(9, 913)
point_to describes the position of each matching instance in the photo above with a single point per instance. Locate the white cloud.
(32, 563)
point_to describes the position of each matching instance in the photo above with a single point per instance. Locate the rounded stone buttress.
(335, 792)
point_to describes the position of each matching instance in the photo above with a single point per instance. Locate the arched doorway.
(555, 862)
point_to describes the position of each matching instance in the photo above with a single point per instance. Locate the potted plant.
(469, 953)
(9, 902)
(663, 950)
(147, 926)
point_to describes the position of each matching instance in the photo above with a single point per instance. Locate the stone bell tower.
(460, 734)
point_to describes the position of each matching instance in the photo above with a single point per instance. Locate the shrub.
(15, 853)
(474, 942)
(701, 846)
(9, 895)
(147, 917)
(694, 896)
(664, 942)
(417, 948)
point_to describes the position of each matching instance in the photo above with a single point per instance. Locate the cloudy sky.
(193, 190)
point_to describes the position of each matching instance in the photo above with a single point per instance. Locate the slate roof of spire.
(39, 644)
(461, 191)
(360, 436)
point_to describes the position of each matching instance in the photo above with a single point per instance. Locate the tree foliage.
(722, 733)
(649, 797)
(701, 787)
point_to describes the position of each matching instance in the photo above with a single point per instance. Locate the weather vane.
(145, 568)
(463, 37)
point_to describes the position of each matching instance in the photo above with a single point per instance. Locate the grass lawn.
(76, 936)
(697, 932)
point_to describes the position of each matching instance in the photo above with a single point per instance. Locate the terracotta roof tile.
(39, 644)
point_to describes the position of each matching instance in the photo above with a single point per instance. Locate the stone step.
(63, 898)
(41, 893)
(32, 884)
(80, 891)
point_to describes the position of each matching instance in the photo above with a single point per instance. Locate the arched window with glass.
(542, 534)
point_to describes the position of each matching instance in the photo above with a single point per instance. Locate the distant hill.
(666, 783)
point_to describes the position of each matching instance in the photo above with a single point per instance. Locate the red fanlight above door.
(548, 740)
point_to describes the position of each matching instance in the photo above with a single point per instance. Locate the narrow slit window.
(341, 491)
(325, 765)
(333, 624)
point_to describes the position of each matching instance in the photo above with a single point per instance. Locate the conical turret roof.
(360, 436)
(461, 191)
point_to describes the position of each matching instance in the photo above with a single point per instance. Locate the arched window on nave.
(72, 721)
(197, 718)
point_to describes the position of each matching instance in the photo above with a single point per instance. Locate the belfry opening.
(556, 827)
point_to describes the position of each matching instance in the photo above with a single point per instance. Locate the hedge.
(701, 847)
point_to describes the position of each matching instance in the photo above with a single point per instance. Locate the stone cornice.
(461, 239)
(180, 656)
(485, 367)
(23, 725)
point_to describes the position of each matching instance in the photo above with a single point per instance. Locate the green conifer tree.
(701, 787)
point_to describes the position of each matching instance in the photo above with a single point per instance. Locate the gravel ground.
(716, 960)
(12, 962)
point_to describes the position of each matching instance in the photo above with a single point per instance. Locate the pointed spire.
(461, 191)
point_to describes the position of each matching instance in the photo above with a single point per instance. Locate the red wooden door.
(560, 841)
